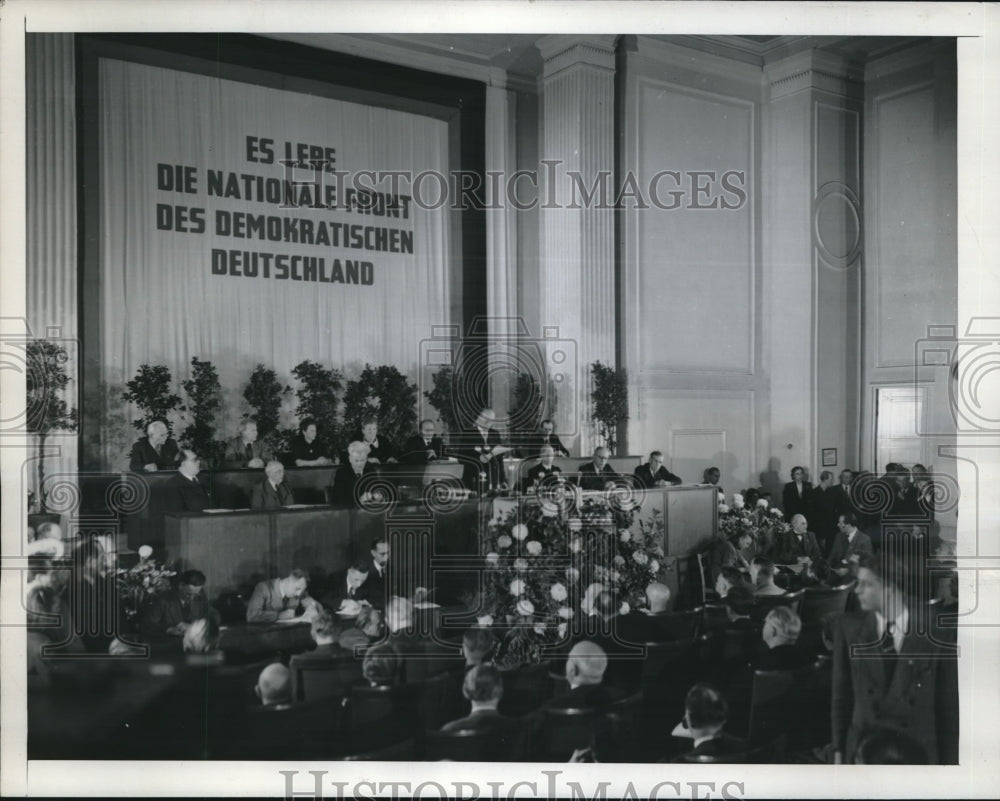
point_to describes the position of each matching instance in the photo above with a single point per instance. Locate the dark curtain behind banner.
(212, 248)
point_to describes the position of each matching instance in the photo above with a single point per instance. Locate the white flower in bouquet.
(654, 566)
(485, 620)
(723, 509)
(525, 607)
(614, 575)
(658, 550)
(516, 587)
(762, 503)
(145, 552)
(534, 547)
(640, 557)
(493, 558)
(558, 592)
(776, 511)
(503, 541)
(600, 572)
(565, 612)
(575, 545)
(625, 535)
(619, 559)
(738, 500)
(561, 629)
(519, 532)
(520, 564)
(572, 574)
(624, 609)
(722, 496)
(540, 628)
(574, 524)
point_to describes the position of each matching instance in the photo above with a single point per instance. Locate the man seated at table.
(797, 545)
(274, 685)
(762, 572)
(245, 450)
(849, 545)
(173, 611)
(597, 473)
(347, 585)
(705, 715)
(544, 470)
(272, 492)
(712, 476)
(482, 452)
(342, 493)
(424, 447)
(420, 655)
(380, 450)
(306, 451)
(532, 444)
(282, 599)
(185, 493)
(377, 567)
(654, 474)
(155, 451)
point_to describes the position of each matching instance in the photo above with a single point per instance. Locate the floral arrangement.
(138, 584)
(763, 522)
(540, 560)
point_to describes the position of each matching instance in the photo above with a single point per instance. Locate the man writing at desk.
(654, 474)
(281, 598)
(597, 474)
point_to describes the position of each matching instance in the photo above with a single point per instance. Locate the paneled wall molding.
(814, 69)
(918, 56)
(564, 52)
(676, 55)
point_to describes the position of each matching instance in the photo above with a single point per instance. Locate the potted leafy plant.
(441, 397)
(204, 393)
(609, 402)
(47, 410)
(383, 393)
(264, 394)
(150, 391)
(318, 398)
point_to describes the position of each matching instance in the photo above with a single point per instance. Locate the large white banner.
(212, 247)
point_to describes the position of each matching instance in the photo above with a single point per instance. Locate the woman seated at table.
(306, 450)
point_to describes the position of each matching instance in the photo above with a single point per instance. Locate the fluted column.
(577, 218)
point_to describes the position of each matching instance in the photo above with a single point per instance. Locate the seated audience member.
(544, 470)
(343, 492)
(483, 688)
(728, 553)
(650, 624)
(186, 492)
(377, 562)
(728, 578)
(585, 669)
(739, 634)
(605, 741)
(325, 633)
(380, 450)
(200, 636)
(347, 585)
(91, 599)
(797, 545)
(272, 492)
(306, 450)
(739, 606)
(381, 666)
(654, 474)
(477, 647)
(274, 685)
(762, 572)
(282, 599)
(885, 746)
(712, 476)
(849, 545)
(924, 491)
(597, 473)
(368, 628)
(780, 635)
(155, 451)
(424, 447)
(244, 450)
(420, 656)
(533, 443)
(173, 611)
(705, 715)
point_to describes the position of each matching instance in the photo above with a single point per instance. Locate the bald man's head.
(799, 524)
(275, 685)
(586, 664)
(658, 596)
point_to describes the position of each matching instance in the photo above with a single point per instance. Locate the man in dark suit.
(597, 473)
(652, 624)
(173, 611)
(272, 492)
(780, 636)
(533, 443)
(186, 493)
(824, 502)
(155, 451)
(244, 450)
(849, 544)
(799, 542)
(795, 497)
(585, 669)
(705, 715)
(425, 447)
(420, 656)
(545, 469)
(842, 493)
(886, 675)
(483, 688)
(377, 568)
(482, 452)
(380, 450)
(347, 585)
(654, 474)
(342, 493)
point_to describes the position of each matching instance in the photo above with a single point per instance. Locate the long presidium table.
(438, 547)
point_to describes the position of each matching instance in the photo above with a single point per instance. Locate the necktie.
(249, 451)
(889, 652)
(427, 442)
